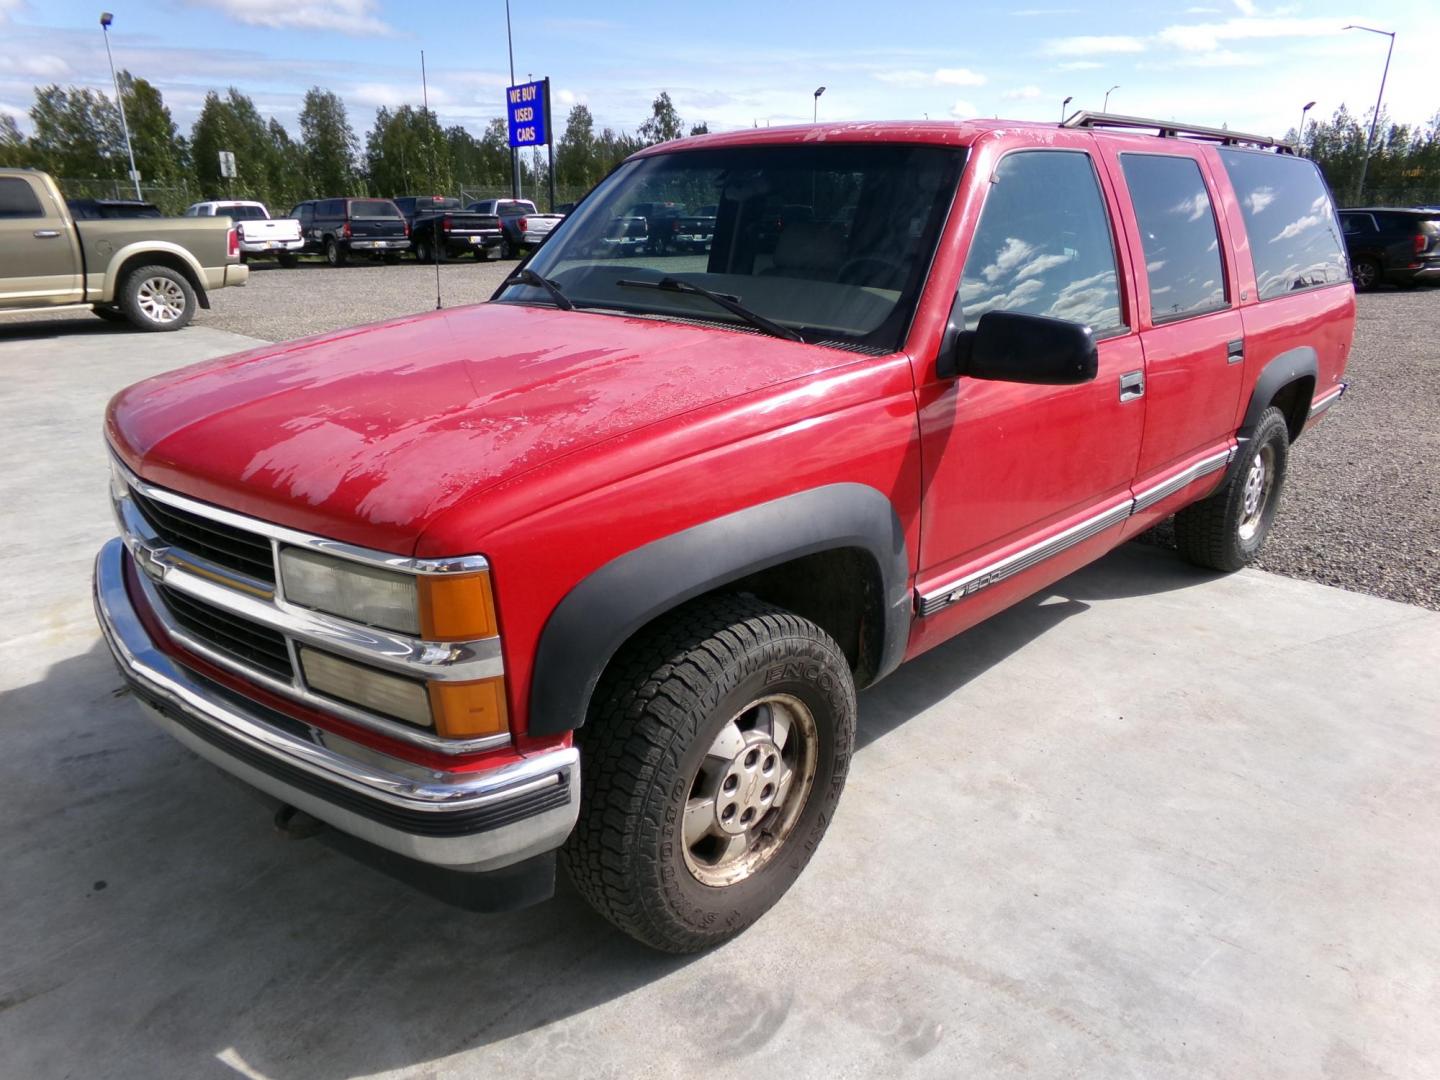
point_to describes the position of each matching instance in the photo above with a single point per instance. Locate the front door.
(39, 263)
(1024, 482)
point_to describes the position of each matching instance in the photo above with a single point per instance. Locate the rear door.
(39, 253)
(372, 219)
(1189, 321)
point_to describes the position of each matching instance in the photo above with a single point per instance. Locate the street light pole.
(1300, 131)
(1064, 105)
(1370, 142)
(105, 20)
(514, 154)
(815, 113)
(1106, 107)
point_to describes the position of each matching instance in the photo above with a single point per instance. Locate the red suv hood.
(368, 434)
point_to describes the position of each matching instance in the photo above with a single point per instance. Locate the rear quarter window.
(1290, 219)
(17, 199)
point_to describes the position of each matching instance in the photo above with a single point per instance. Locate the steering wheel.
(851, 270)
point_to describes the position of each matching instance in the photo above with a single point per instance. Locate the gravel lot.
(1361, 509)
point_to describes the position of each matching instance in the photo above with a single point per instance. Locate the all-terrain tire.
(662, 701)
(1219, 532)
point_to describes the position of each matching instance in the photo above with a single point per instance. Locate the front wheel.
(157, 298)
(1227, 530)
(711, 763)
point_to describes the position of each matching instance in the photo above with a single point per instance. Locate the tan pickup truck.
(149, 271)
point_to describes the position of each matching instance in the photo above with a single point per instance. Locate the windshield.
(832, 241)
(373, 208)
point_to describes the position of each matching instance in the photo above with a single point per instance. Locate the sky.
(1251, 66)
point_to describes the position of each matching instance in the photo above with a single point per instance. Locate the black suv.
(1389, 244)
(338, 228)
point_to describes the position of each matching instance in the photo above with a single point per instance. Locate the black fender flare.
(605, 609)
(1279, 372)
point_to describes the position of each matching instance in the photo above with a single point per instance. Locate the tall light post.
(1065, 105)
(105, 20)
(1106, 107)
(514, 154)
(815, 112)
(1300, 131)
(1370, 142)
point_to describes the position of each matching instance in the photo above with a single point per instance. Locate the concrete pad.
(1153, 823)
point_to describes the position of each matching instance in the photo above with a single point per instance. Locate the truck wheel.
(507, 249)
(335, 255)
(289, 261)
(1365, 273)
(1227, 530)
(714, 755)
(157, 298)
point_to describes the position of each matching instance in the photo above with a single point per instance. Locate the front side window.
(1294, 235)
(17, 199)
(1043, 244)
(1179, 235)
(831, 241)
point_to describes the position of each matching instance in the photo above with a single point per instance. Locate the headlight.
(378, 691)
(436, 607)
(351, 590)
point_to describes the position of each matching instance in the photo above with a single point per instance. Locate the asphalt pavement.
(1152, 822)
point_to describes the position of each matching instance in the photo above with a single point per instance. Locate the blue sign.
(526, 108)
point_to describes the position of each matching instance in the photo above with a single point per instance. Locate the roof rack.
(1167, 129)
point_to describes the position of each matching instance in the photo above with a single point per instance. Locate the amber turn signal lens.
(469, 710)
(456, 607)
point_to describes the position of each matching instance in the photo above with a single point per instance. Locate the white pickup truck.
(260, 234)
(521, 225)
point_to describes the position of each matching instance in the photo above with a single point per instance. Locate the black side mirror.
(1010, 346)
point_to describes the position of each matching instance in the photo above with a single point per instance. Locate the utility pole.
(1370, 142)
(105, 20)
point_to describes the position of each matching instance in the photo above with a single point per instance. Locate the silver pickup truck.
(152, 272)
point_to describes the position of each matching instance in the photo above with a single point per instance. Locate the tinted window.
(1043, 244)
(373, 208)
(1294, 237)
(17, 200)
(244, 213)
(1178, 233)
(1357, 223)
(332, 208)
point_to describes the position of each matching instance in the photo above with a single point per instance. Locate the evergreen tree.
(577, 162)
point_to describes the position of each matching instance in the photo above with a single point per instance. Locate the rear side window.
(17, 199)
(332, 208)
(1294, 235)
(1355, 224)
(1043, 244)
(1178, 233)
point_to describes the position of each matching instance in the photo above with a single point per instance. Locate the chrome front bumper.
(465, 821)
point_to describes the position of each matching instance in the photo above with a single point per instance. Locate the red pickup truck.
(594, 570)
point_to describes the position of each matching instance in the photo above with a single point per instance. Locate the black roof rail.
(1172, 129)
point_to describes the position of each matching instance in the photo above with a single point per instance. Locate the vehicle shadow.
(51, 326)
(155, 921)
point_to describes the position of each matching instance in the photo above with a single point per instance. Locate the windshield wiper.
(526, 276)
(729, 303)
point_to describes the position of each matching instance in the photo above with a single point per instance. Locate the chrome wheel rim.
(160, 299)
(1364, 275)
(1259, 483)
(748, 791)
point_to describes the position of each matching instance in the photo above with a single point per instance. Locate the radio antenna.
(435, 221)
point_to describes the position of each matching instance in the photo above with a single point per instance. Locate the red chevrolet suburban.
(592, 571)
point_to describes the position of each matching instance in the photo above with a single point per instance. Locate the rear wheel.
(289, 261)
(712, 761)
(1365, 273)
(507, 249)
(336, 255)
(1227, 530)
(157, 298)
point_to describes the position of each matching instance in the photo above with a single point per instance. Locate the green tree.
(287, 184)
(233, 123)
(14, 149)
(330, 145)
(159, 150)
(664, 122)
(702, 128)
(77, 133)
(577, 160)
(407, 154)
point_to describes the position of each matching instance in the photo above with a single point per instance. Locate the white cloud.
(8, 6)
(1023, 93)
(354, 17)
(1093, 45)
(938, 77)
(1080, 65)
(46, 66)
(393, 95)
(964, 110)
(1260, 198)
(1205, 37)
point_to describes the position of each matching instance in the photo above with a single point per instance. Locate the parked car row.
(433, 227)
(1392, 244)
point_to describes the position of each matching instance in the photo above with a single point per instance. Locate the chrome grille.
(238, 638)
(235, 549)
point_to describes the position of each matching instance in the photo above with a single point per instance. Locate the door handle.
(1132, 385)
(46, 234)
(1235, 351)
